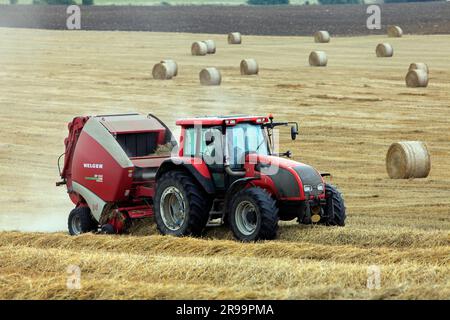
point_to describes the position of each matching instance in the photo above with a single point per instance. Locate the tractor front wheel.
(335, 205)
(81, 221)
(181, 206)
(253, 215)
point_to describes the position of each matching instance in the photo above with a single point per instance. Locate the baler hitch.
(61, 183)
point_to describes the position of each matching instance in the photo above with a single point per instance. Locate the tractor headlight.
(307, 189)
(320, 187)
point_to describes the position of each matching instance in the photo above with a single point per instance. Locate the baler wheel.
(81, 221)
(181, 206)
(107, 229)
(253, 215)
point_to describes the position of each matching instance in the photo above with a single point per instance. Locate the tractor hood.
(291, 178)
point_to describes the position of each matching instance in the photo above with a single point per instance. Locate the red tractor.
(122, 167)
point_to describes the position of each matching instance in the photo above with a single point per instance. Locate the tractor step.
(214, 223)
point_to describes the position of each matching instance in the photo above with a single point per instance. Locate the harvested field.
(413, 18)
(350, 112)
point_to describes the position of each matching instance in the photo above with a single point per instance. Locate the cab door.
(198, 143)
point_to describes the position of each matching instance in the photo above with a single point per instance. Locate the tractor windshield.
(245, 138)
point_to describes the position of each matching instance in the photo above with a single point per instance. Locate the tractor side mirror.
(209, 138)
(294, 132)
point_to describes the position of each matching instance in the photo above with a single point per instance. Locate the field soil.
(414, 18)
(349, 113)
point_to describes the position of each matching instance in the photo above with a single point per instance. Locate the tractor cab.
(227, 144)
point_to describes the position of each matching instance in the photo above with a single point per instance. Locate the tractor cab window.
(189, 143)
(243, 139)
(197, 144)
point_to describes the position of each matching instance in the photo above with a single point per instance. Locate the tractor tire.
(339, 208)
(178, 191)
(107, 229)
(253, 215)
(81, 221)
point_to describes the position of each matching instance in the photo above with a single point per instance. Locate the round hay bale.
(384, 50)
(419, 66)
(234, 38)
(210, 77)
(416, 78)
(408, 159)
(249, 67)
(394, 31)
(318, 59)
(199, 48)
(162, 71)
(211, 46)
(322, 37)
(172, 65)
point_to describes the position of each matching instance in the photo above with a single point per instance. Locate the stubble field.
(350, 112)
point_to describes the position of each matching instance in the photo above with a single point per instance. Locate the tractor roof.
(219, 120)
(130, 123)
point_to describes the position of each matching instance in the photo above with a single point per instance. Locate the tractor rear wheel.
(253, 215)
(81, 221)
(181, 206)
(339, 215)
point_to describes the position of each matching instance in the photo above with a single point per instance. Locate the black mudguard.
(233, 189)
(169, 165)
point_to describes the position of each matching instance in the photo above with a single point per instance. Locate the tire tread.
(198, 203)
(267, 208)
(339, 207)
